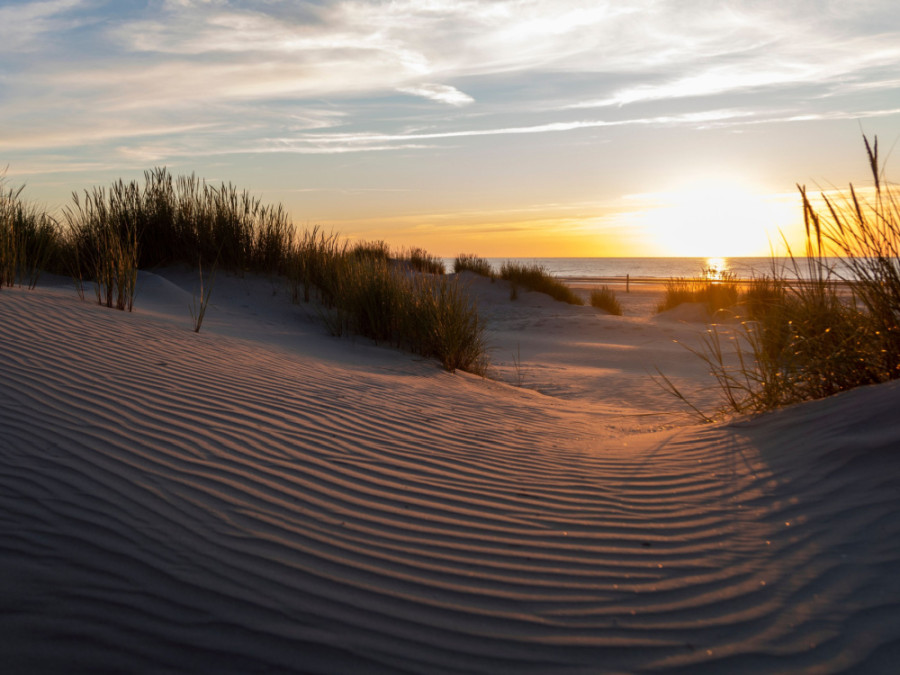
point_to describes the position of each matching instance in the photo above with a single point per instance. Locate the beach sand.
(261, 497)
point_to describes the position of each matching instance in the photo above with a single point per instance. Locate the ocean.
(656, 268)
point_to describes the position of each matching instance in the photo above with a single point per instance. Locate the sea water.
(659, 268)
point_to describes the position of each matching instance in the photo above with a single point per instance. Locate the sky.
(503, 128)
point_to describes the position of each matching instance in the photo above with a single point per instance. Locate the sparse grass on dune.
(422, 261)
(535, 278)
(363, 291)
(186, 220)
(371, 250)
(426, 314)
(763, 293)
(866, 238)
(105, 239)
(604, 298)
(451, 329)
(312, 263)
(469, 262)
(29, 239)
(714, 294)
(112, 232)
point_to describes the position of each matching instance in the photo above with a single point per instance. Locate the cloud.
(22, 26)
(441, 93)
(214, 76)
(264, 49)
(73, 136)
(325, 143)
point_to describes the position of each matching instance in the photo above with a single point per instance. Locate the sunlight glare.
(715, 219)
(716, 268)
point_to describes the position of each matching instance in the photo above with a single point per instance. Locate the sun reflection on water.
(716, 268)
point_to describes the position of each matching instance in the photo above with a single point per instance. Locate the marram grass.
(714, 294)
(605, 299)
(28, 239)
(536, 278)
(469, 262)
(819, 333)
(362, 288)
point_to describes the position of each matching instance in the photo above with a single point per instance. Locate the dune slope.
(180, 502)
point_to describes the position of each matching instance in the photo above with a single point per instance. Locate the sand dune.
(261, 497)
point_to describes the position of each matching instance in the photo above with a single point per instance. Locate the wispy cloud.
(366, 141)
(22, 26)
(98, 82)
(212, 51)
(439, 92)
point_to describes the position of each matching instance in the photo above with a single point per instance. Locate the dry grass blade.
(198, 307)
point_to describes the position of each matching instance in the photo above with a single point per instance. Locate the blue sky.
(512, 127)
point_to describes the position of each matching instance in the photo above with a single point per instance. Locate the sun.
(714, 218)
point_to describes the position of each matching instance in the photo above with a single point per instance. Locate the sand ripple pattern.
(174, 502)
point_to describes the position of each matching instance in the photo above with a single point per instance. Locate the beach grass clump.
(186, 220)
(762, 294)
(714, 294)
(865, 237)
(812, 345)
(368, 299)
(371, 250)
(105, 241)
(445, 319)
(420, 260)
(166, 220)
(29, 239)
(605, 299)
(312, 263)
(363, 292)
(534, 277)
(426, 314)
(836, 324)
(469, 262)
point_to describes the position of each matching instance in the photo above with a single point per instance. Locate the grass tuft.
(184, 219)
(422, 261)
(371, 250)
(363, 291)
(536, 278)
(714, 294)
(820, 333)
(469, 262)
(604, 298)
(29, 239)
(105, 237)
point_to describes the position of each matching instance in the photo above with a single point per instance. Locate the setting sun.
(429, 336)
(715, 218)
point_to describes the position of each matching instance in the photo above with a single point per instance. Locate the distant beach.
(650, 269)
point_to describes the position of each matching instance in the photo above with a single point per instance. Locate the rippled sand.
(261, 497)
